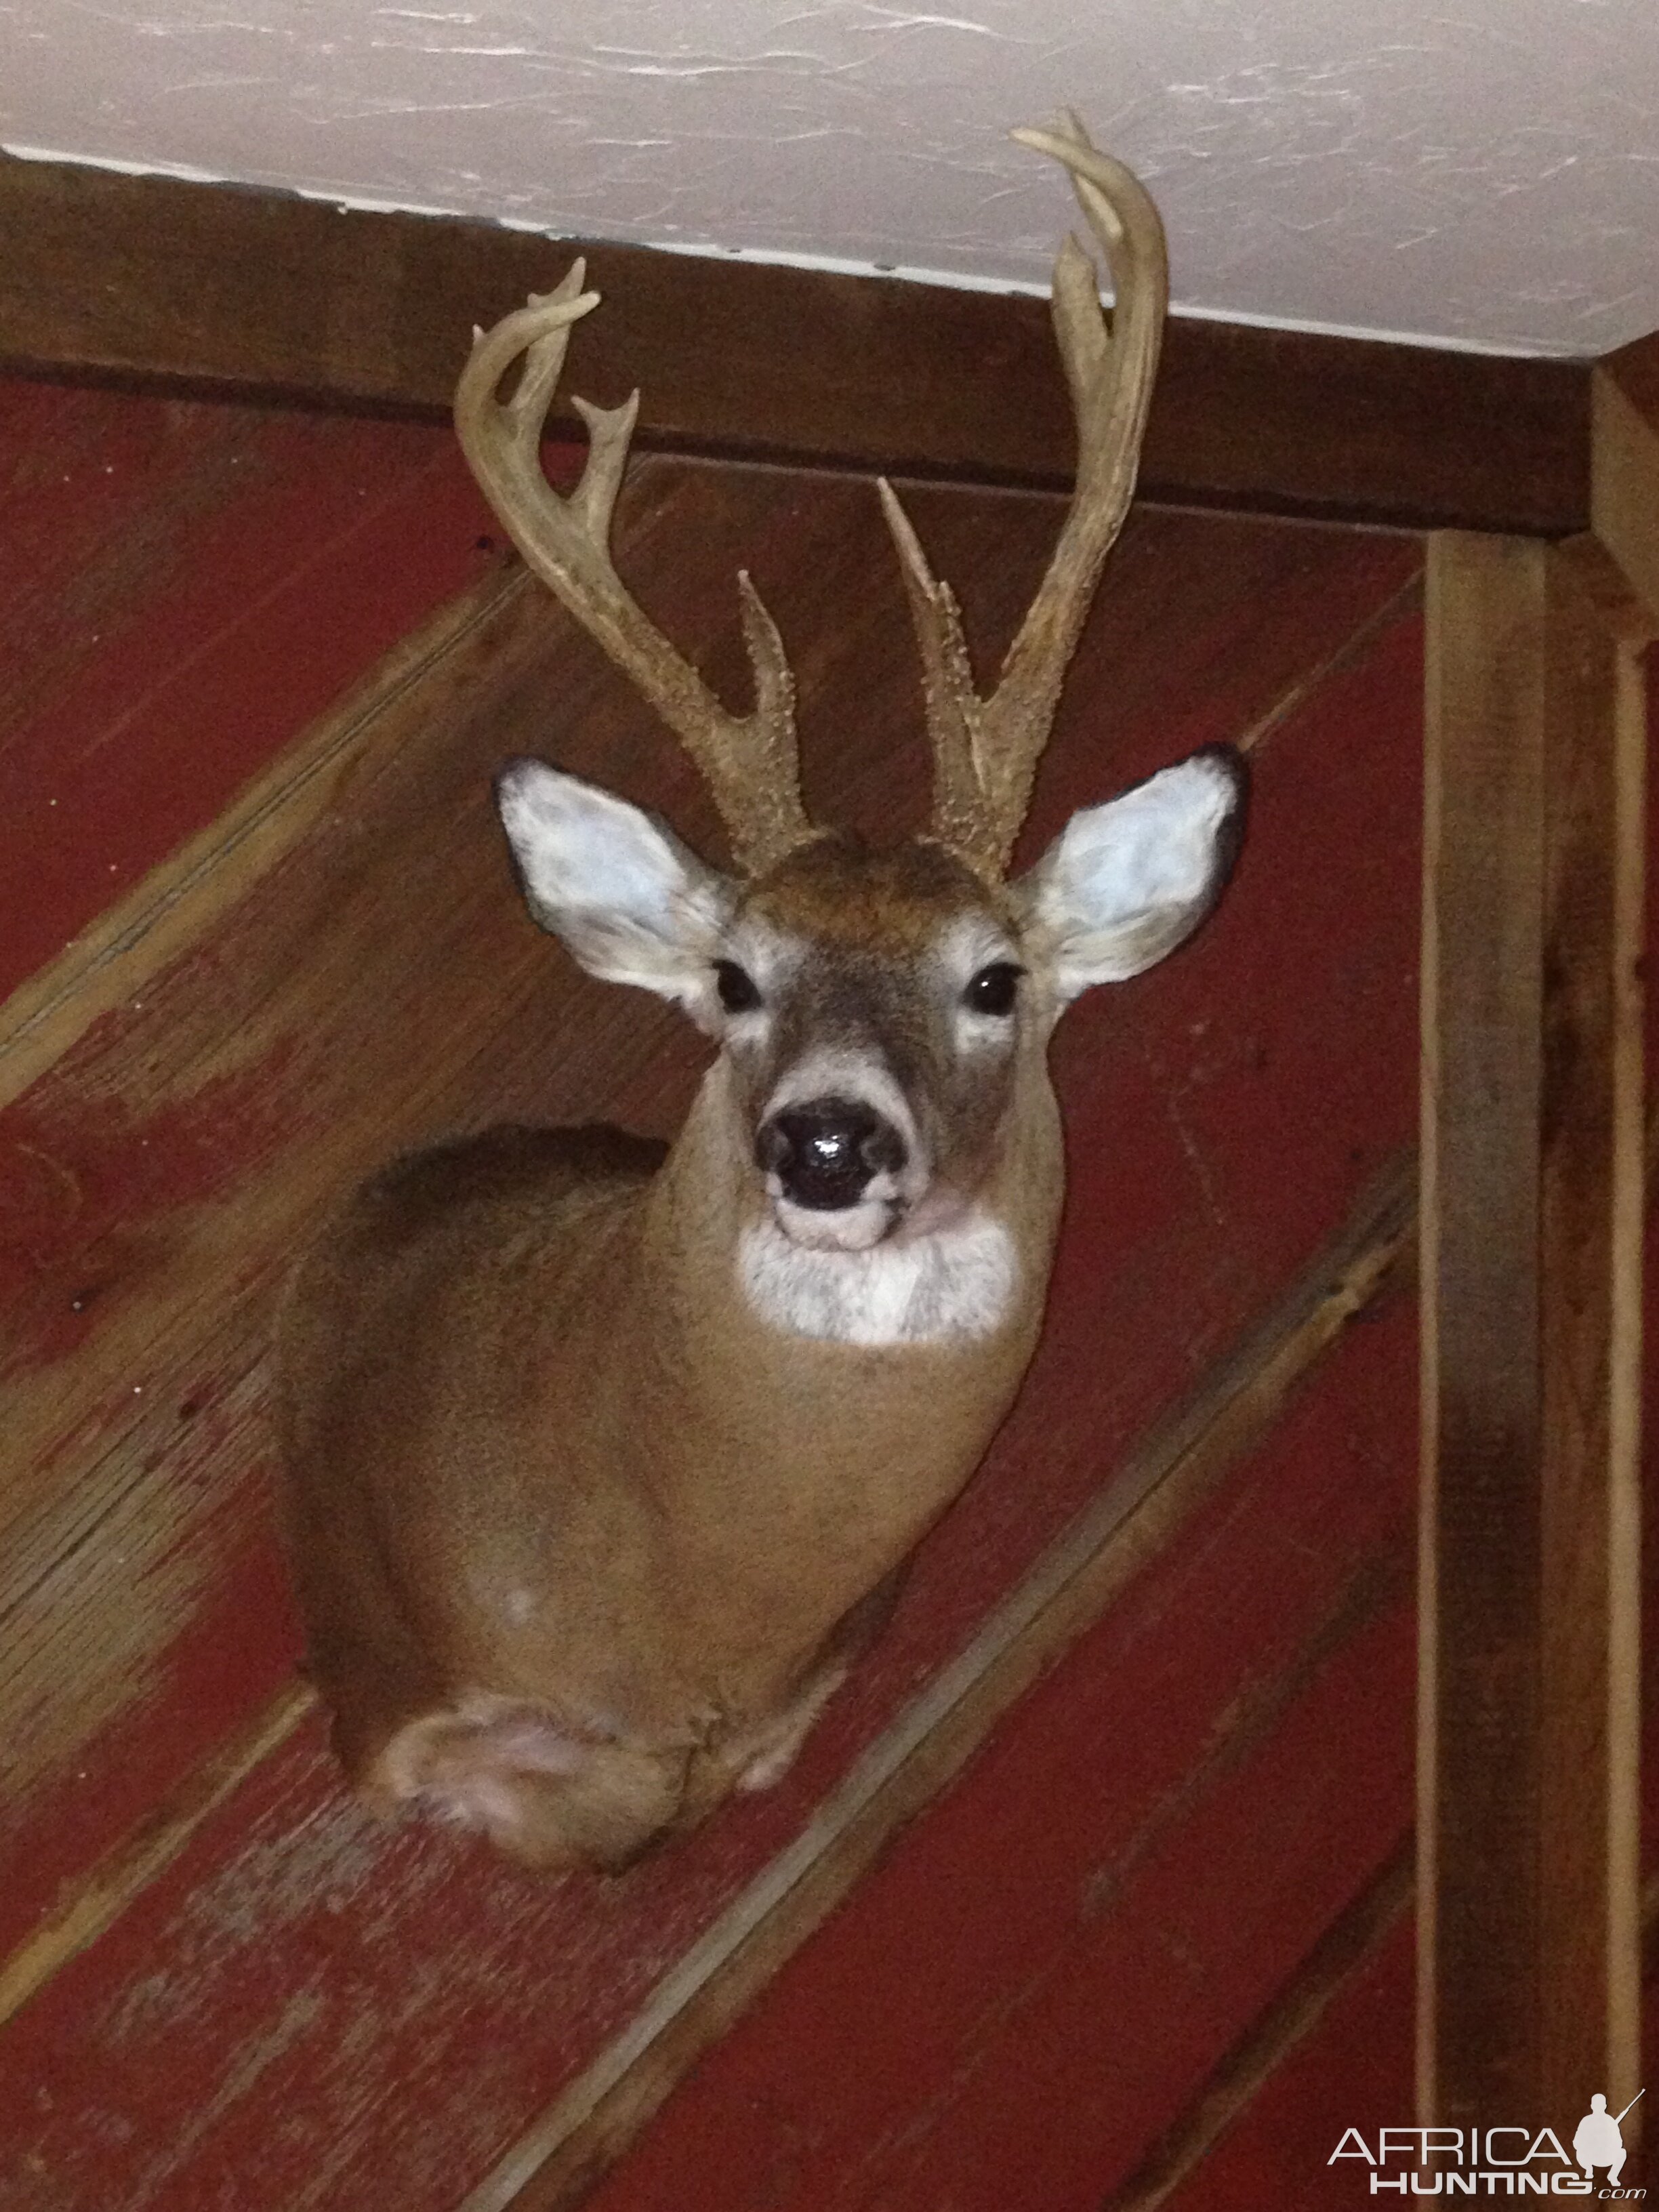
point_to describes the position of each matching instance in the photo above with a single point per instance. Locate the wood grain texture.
(247, 292)
(1353, 2070)
(1592, 1174)
(1624, 463)
(1342, 1952)
(1353, 2067)
(1532, 1184)
(136, 1222)
(86, 1907)
(1076, 1926)
(182, 587)
(1482, 1072)
(175, 903)
(1156, 1492)
(323, 1985)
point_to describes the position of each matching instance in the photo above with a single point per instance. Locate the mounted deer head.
(576, 1602)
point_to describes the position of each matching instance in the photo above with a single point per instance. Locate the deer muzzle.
(824, 1155)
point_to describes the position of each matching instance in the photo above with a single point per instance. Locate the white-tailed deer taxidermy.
(604, 1458)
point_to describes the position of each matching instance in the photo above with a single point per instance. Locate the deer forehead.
(912, 908)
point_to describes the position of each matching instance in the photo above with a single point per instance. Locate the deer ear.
(1127, 882)
(617, 886)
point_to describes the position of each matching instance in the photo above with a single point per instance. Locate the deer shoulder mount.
(603, 1458)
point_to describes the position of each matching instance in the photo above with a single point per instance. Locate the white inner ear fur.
(631, 902)
(1126, 882)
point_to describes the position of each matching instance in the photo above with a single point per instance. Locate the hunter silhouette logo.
(1597, 2141)
(1507, 2161)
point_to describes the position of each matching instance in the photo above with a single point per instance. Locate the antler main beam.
(985, 751)
(749, 761)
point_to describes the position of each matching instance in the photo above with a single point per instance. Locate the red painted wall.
(1039, 1977)
(183, 588)
(306, 2010)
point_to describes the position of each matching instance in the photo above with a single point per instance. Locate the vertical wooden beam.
(1592, 1178)
(1625, 462)
(1479, 1558)
(1532, 1209)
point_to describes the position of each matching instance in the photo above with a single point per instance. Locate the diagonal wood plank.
(1345, 1949)
(1121, 1541)
(1171, 1213)
(111, 962)
(201, 1065)
(1082, 1926)
(1150, 1500)
(182, 587)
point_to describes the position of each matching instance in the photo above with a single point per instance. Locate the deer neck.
(763, 1426)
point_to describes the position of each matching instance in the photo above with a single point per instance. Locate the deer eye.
(994, 990)
(738, 991)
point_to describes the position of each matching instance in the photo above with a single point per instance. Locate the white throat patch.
(956, 1283)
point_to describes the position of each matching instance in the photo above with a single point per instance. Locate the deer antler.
(985, 751)
(748, 760)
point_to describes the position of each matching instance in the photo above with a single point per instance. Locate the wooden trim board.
(262, 295)
(1624, 463)
(1531, 1274)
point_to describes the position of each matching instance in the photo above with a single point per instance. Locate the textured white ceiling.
(1480, 172)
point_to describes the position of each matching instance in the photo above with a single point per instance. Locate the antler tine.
(985, 751)
(749, 761)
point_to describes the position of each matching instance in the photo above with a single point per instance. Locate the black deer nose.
(824, 1150)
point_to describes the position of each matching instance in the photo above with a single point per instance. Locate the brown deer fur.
(602, 1463)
